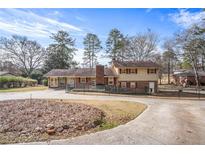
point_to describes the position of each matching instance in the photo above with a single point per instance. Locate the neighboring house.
(130, 75)
(187, 77)
(5, 73)
(164, 79)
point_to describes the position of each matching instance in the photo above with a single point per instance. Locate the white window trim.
(152, 69)
(125, 84)
(133, 84)
(123, 70)
(132, 69)
(110, 79)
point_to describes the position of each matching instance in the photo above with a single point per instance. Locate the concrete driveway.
(166, 121)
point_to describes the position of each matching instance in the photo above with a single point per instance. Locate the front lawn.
(23, 89)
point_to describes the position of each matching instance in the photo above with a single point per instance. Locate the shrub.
(13, 81)
(37, 75)
(45, 82)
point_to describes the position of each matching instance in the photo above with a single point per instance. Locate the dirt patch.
(41, 120)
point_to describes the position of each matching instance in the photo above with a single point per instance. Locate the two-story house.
(124, 74)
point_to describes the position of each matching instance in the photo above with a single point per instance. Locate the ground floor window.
(62, 81)
(82, 80)
(132, 85)
(93, 82)
(110, 81)
(123, 84)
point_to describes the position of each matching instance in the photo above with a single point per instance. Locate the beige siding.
(141, 75)
(115, 69)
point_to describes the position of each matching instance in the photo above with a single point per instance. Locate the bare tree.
(191, 43)
(27, 55)
(169, 57)
(142, 46)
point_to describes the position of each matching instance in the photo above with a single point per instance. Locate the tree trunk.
(196, 77)
(168, 71)
(202, 63)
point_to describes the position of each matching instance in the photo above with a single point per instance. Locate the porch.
(72, 82)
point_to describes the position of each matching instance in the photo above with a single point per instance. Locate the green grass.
(23, 89)
(117, 112)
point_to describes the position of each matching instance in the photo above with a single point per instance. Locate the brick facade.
(100, 75)
(144, 85)
(121, 74)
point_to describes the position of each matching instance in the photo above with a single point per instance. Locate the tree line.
(28, 56)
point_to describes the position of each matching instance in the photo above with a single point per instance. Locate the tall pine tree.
(61, 52)
(115, 45)
(92, 46)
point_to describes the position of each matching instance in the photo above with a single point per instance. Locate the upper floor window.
(133, 71)
(128, 71)
(151, 71)
(122, 71)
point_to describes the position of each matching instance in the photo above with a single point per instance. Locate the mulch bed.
(43, 120)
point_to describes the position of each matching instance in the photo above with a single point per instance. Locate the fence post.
(199, 92)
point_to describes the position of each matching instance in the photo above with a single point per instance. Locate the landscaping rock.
(20, 119)
(60, 129)
(39, 129)
(50, 126)
(65, 127)
(50, 131)
(23, 132)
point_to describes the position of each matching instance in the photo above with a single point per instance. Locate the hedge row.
(15, 82)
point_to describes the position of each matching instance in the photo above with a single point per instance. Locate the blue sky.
(38, 24)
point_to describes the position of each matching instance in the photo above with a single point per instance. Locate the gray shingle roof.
(135, 64)
(188, 73)
(78, 72)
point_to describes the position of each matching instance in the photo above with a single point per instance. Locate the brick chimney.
(99, 75)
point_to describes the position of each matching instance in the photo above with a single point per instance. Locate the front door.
(151, 87)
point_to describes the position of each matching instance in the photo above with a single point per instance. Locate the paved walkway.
(166, 121)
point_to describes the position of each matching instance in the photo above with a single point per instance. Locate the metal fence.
(107, 89)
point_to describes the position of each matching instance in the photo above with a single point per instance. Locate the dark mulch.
(41, 120)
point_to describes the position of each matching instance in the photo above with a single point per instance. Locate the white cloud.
(185, 19)
(80, 18)
(79, 55)
(27, 23)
